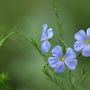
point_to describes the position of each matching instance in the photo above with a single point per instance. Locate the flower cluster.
(45, 36)
(59, 60)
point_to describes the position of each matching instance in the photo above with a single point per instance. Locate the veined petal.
(43, 37)
(70, 53)
(45, 46)
(88, 34)
(44, 28)
(78, 46)
(86, 51)
(57, 51)
(59, 67)
(80, 36)
(71, 63)
(50, 33)
(53, 61)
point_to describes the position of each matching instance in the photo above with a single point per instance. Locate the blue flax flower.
(45, 36)
(83, 42)
(58, 61)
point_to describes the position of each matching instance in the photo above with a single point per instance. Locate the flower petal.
(80, 36)
(88, 34)
(45, 46)
(43, 37)
(70, 53)
(78, 46)
(60, 67)
(57, 51)
(44, 28)
(50, 33)
(86, 51)
(53, 61)
(71, 64)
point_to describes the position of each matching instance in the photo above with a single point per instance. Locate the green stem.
(85, 76)
(3, 40)
(78, 55)
(58, 23)
(70, 79)
(64, 44)
(33, 43)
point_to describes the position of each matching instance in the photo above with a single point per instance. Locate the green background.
(18, 57)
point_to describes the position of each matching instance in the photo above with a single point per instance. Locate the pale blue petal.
(70, 53)
(60, 67)
(80, 36)
(88, 34)
(57, 51)
(45, 46)
(43, 37)
(44, 28)
(86, 51)
(71, 63)
(53, 61)
(78, 46)
(50, 33)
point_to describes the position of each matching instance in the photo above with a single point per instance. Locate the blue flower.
(45, 36)
(83, 42)
(57, 62)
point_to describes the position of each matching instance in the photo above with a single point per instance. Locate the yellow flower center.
(62, 58)
(87, 42)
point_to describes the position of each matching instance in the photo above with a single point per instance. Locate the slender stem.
(85, 76)
(64, 44)
(58, 23)
(70, 79)
(29, 39)
(3, 40)
(83, 79)
(78, 55)
(21, 34)
(33, 42)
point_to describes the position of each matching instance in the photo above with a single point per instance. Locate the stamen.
(87, 42)
(62, 58)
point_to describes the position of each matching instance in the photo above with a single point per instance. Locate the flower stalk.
(58, 23)
(70, 79)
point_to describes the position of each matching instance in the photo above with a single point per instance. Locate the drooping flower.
(83, 42)
(58, 61)
(45, 36)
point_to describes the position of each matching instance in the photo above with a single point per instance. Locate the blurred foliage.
(20, 59)
(3, 81)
